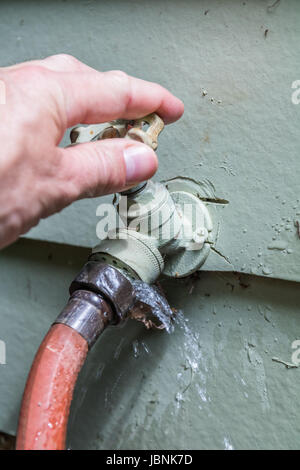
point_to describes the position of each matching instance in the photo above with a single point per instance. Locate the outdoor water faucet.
(164, 229)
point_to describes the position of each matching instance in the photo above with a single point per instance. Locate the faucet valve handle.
(150, 135)
(121, 128)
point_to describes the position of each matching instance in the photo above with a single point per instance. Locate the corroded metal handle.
(122, 128)
(149, 136)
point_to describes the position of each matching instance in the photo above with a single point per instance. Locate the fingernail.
(141, 163)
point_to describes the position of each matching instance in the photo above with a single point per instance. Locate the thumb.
(107, 166)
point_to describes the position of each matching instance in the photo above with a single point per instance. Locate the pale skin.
(44, 98)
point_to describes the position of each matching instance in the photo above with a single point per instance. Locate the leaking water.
(193, 368)
(191, 344)
(227, 444)
(191, 348)
(153, 298)
(135, 347)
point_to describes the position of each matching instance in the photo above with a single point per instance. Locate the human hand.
(43, 99)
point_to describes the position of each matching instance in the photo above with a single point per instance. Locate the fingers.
(100, 97)
(107, 166)
(92, 96)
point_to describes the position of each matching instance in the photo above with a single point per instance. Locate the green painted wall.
(213, 383)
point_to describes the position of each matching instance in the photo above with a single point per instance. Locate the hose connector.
(88, 314)
(100, 296)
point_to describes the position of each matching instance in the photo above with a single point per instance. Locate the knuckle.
(66, 182)
(122, 79)
(119, 74)
(14, 224)
(65, 58)
(111, 170)
(124, 85)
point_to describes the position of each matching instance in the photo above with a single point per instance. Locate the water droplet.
(135, 347)
(227, 444)
(267, 271)
(179, 397)
(146, 348)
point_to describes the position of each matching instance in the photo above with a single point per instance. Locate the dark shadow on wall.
(41, 252)
(7, 442)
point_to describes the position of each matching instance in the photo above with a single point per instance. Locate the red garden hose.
(49, 390)
(100, 296)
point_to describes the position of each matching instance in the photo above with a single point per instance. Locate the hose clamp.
(107, 281)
